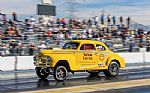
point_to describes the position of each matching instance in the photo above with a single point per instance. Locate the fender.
(70, 59)
(120, 61)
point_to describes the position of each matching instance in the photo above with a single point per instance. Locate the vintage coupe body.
(76, 56)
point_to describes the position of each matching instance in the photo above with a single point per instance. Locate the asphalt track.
(27, 81)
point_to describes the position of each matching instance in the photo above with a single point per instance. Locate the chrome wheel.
(113, 69)
(60, 73)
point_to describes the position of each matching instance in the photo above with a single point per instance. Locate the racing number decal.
(101, 57)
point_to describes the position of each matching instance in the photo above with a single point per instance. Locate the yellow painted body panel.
(81, 59)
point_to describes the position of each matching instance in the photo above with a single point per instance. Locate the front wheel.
(113, 69)
(60, 73)
(42, 72)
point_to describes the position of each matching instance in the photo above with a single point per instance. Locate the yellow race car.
(75, 56)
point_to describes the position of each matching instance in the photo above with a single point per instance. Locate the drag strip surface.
(28, 81)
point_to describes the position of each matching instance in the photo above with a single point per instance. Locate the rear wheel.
(113, 69)
(42, 72)
(60, 73)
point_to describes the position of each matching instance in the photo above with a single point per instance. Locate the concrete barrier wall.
(147, 57)
(26, 62)
(7, 63)
(133, 57)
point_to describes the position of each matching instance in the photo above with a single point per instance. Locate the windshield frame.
(69, 47)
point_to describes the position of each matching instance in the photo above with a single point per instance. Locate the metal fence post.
(144, 60)
(16, 62)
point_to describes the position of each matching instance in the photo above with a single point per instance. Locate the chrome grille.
(43, 60)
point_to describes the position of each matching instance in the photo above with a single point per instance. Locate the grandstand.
(29, 36)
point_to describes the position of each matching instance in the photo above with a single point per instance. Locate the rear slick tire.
(113, 69)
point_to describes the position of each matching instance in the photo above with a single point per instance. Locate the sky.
(138, 10)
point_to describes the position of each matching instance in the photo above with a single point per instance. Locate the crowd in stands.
(29, 36)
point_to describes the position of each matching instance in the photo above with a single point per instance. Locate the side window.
(100, 47)
(87, 47)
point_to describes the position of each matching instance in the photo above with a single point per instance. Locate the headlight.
(48, 59)
(35, 58)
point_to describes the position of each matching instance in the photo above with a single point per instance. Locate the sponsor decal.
(87, 56)
(101, 57)
(101, 64)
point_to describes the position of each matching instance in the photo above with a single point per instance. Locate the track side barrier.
(133, 57)
(147, 57)
(7, 63)
(26, 62)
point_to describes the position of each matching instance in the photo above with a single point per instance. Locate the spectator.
(0, 32)
(89, 22)
(13, 46)
(32, 20)
(114, 20)
(67, 36)
(31, 49)
(83, 36)
(49, 33)
(141, 37)
(20, 49)
(148, 41)
(14, 16)
(108, 19)
(3, 49)
(131, 45)
(42, 46)
(60, 36)
(10, 22)
(96, 20)
(121, 19)
(128, 21)
(102, 19)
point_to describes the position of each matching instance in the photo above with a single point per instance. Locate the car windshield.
(71, 45)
